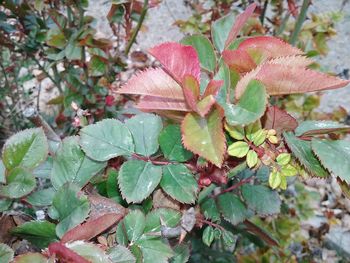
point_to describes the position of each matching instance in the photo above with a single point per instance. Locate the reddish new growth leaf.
(65, 254)
(213, 88)
(178, 60)
(238, 60)
(91, 228)
(239, 23)
(279, 120)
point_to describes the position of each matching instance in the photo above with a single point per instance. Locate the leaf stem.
(299, 22)
(138, 27)
(235, 186)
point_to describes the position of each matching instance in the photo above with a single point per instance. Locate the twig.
(300, 21)
(138, 27)
(242, 182)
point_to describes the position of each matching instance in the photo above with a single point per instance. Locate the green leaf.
(232, 208)
(154, 250)
(283, 158)
(19, 183)
(121, 254)
(138, 179)
(73, 51)
(4, 204)
(289, 170)
(275, 179)
(309, 128)
(171, 144)
(6, 253)
(2, 173)
(220, 31)
(27, 149)
(42, 197)
(112, 185)
(252, 158)
(335, 156)
(70, 207)
(205, 51)
(179, 183)
(70, 164)
(39, 233)
(238, 149)
(251, 105)
(236, 132)
(97, 66)
(131, 227)
(303, 152)
(261, 199)
(228, 238)
(31, 258)
(169, 217)
(210, 209)
(145, 129)
(208, 236)
(182, 254)
(89, 251)
(106, 139)
(205, 136)
(223, 74)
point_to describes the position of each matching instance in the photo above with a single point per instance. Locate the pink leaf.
(279, 120)
(91, 228)
(213, 88)
(190, 88)
(178, 60)
(263, 48)
(151, 103)
(153, 82)
(65, 254)
(238, 60)
(239, 23)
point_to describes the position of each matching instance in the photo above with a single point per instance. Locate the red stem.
(242, 182)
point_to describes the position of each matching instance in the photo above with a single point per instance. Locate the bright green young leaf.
(171, 144)
(220, 31)
(138, 179)
(42, 197)
(289, 170)
(283, 158)
(154, 250)
(303, 152)
(236, 132)
(131, 227)
(283, 184)
(169, 217)
(179, 183)
(70, 164)
(39, 233)
(251, 105)
(145, 129)
(208, 236)
(205, 51)
(308, 128)
(275, 179)
(6, 253)
(106, 139)
(335, 156)
(27, 149)
(232, 208)
(205, 136)
(70, 207)
(252, 158)
(182, 254)
(20, 182)
(121, 254)
(238, 149)
(89, 251)
(259, 137)
(261, 199)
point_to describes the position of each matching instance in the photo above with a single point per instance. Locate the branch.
(240, 183)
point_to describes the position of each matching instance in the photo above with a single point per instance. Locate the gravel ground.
(160, 28)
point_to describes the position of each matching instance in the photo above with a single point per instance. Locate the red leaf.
(178, 60)
(213, 88)
(151, 103)
(238, 60)
(153, 82)
(190, 88)
(91, 228)
(279, 120)
(239, 23)
(65, 254)
(109, 100)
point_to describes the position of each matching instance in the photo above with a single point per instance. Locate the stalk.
(300, 21)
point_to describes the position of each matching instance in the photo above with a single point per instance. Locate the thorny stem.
(211, 224)
(138, 27)
(242, 182)
(147, 159)
(300, 21)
